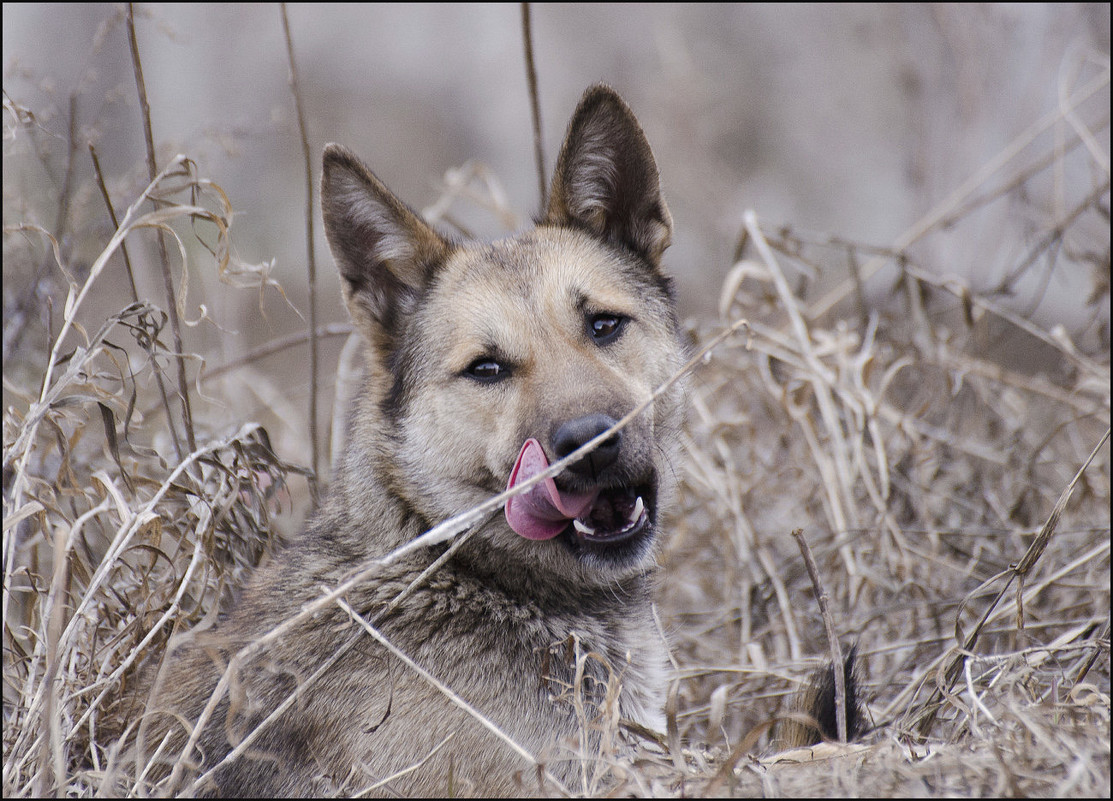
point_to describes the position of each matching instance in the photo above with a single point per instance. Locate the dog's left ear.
(606, 179)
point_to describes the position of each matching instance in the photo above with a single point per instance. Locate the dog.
(484, 364)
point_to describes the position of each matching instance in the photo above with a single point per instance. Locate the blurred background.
(847, 121)
(852, 119)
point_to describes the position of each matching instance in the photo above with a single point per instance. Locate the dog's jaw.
(619, 530)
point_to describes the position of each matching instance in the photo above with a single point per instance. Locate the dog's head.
(547, 337)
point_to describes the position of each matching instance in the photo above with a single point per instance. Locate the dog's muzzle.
(595, 520)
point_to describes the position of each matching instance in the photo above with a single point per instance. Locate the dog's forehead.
(543, 268)
(524, 296)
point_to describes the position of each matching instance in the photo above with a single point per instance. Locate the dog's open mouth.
(615, 516)
(601, 517)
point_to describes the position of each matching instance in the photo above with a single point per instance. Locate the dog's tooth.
(639, 507)
(583, 529)
(635, 515)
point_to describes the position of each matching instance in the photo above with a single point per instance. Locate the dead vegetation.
(945, 457)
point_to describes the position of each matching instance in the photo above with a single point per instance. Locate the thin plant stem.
(310, 259)
(535, 105)
(164, 259)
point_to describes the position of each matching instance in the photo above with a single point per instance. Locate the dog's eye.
(605, 328)
(487, 370)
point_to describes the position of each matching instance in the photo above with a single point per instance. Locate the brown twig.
(832, 635)
(943, 211)
(1022, 175)
(310, 258)
(726, 770)
(115, 221)
(261, 352)
(930, 709)
(67, 184)
(134, 292)
(535, 105)
(1050, 238)
(164, 259)
(1095, 650)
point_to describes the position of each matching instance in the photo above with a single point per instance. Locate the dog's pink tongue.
(543, 511)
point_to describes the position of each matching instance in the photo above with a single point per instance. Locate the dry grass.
(932, 445)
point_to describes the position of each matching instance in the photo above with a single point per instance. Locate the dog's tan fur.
(471, 349)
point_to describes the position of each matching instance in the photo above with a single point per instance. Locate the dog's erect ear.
(384, 250)
(606, 178)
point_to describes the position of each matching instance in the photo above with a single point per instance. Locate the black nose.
(574, 433)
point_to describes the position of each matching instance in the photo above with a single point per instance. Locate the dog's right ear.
(384, 250)
(606, 179)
